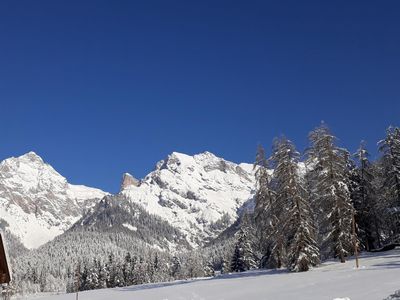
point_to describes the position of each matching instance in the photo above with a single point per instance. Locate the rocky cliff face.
(128, 180)
(36, 202)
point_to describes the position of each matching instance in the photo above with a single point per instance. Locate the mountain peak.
(179, 155)
(38, 203)
(206, 153)
(31, 156)
(128, 180)
(203, 156)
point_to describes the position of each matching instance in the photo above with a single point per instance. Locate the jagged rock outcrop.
(128, 180)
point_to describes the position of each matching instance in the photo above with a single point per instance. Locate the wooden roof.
(4, 270)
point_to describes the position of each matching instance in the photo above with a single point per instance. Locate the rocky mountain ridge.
(199, 195)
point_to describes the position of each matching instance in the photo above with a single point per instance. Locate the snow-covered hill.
(376, 279)
(36, 202)
(201, 195)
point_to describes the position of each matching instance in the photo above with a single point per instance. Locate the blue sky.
(98, 88)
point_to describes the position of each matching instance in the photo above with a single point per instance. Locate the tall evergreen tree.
(208, 269)
(329, 164)
(111, 271)
(390, 162)
(263, 195)
(295, 223)
(102, 275)
(243, 258)
(364, 199)
(237, 264)
(176, 268)
(265, 213)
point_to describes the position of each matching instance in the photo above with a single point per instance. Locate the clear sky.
(98, 88)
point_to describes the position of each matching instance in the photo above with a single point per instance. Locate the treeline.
(133, 270)
(91, 258)
(118, 268)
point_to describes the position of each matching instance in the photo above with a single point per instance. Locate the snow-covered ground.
(377, 278)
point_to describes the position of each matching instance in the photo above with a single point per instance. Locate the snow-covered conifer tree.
(243, 257)
(209, 269)
(390, 163)
(237, 264)
(329, 164)
(364, 199)
(225, 266)
(265, 213)
(296, 226)
(176, 268)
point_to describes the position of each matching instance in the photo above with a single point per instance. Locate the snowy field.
(377, 278)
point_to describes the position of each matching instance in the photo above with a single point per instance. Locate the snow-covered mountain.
(36, 202)
(201, 195)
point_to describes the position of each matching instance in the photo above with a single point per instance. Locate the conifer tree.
(225, 266)
(262, 199)
(237, 264)
(102, 275)
(128, 268)
(296, 226)
(209, 269)
(176, 268)
(364, 199)
(265, 213)
(243, 255)
(83, 278)
(330, 166)
(390, 163)
(111, 271)
(92, 280)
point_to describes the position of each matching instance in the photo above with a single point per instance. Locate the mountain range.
(192, 200)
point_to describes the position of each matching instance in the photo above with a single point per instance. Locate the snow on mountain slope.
(38, 203)
(376, 279)
(200, 195)
(116, 215)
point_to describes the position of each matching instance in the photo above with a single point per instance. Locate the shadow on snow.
(247, 274)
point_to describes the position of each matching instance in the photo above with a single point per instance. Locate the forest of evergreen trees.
(331, 204)
(323, 204)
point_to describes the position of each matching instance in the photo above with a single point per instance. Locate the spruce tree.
(111, 271)
(329, 164)
(225, 266)
(102, 275)
(237, 264)
(262, 199)
(296, 226)
(243, 257)
(209, 270)
(265, 213)
(390, 163)
(176, 268)
(364, 199)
